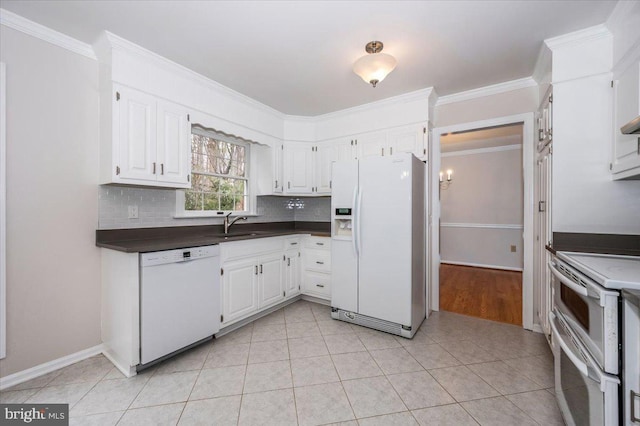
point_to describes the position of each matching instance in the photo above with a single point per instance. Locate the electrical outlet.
(513, 249)
(133, 212)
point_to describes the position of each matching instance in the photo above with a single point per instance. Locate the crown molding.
(543, 64)
(493, 89)
(422, 94)
(17, 22)
(577, 37)
(122, 44)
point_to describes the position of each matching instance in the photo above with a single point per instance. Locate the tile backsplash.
(157, 207)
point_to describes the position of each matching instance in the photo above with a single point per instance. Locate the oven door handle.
(566, 281)
(580, 365)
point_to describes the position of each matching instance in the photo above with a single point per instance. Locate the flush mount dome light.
(375, 66)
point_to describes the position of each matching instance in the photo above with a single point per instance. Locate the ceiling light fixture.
(374, 66)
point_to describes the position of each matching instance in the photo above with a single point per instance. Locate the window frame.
(181, 212)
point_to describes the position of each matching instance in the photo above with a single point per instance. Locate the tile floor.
(298, 366)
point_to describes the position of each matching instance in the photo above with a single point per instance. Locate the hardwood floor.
(485, 293)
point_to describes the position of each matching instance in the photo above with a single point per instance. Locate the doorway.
(482, 219)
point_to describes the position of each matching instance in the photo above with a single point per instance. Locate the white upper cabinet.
(298, 168)
(626, 148)
(408, 139)
(372, 144)
(148, 141)
(278, 179)
(344, 149)
(173, 153)
(325, 155)
(135, 145)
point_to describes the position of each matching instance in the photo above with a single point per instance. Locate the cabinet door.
(344, 150)
(239, 289)
(278, 183)
(136, 142)
(298, 168)
(372, 144)
(292, 273)
(270, 283)
(318, 284)
(324, 156)
(408, 139)
(173, 144)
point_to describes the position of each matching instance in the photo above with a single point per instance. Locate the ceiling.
(296, 56)
(482, 138)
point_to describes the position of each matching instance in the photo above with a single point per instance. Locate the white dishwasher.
(179, 299)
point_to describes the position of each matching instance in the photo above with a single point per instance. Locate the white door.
(344, 256)
(173, 144)
(408, 139)
(372, 145)
(324, 156)
(384, 238)
(137, 138)
(239, 289)
(292, 273)
(298, 168)
(270, 279)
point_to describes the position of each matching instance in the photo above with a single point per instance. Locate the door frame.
(528, 151)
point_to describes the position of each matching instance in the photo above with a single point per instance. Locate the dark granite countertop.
(142, 240)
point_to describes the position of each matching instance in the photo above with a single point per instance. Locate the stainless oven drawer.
(586, 395)
(591, 311)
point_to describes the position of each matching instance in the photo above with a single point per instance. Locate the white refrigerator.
(378, 243)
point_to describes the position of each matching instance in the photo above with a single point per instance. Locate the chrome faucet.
(228, 224)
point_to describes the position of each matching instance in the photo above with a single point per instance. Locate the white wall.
(498, 105)
(481, 211)
(53, 266)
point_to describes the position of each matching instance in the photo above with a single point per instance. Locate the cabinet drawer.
(318, 284)
(321, 243)
(292, 243)
(319, 260)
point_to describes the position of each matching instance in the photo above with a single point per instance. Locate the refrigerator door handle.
(359, 221)
(354, 216)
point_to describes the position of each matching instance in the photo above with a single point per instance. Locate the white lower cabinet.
(293, 281)
(317, 267)
(270, 280)
(260, 273)
(239, 289)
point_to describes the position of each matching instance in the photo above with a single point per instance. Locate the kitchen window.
(219, 175)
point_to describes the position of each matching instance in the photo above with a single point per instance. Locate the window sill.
(201, 215)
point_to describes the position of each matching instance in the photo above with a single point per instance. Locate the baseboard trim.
(128, 372)
(48, 367)
(480, 265)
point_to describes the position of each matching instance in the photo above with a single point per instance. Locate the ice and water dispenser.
(343, 222)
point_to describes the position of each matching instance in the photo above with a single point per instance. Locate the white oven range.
(593, 339)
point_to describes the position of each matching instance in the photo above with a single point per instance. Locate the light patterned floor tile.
(419, 390)
(398, 419)
(313, 371)
(444, 415)
(272, 408)
(268, 376)
(166, 389)
(372, 396)
(216, 382)
(320, 404)
(218, 411)
(497, 412)
(462, 383)
(162, 415)
(355, 365)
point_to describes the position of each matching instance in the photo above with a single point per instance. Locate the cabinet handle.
(288, 185)
(320, 285)
(391, 151)
(161, 168)
(289, 261)
(276, 183)
(319, 263)
(260, 268)
(154, 168)
(633, 395)
(382, 151)
(320, 244)
(256, 268)
(351, 142)
(293, 244)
